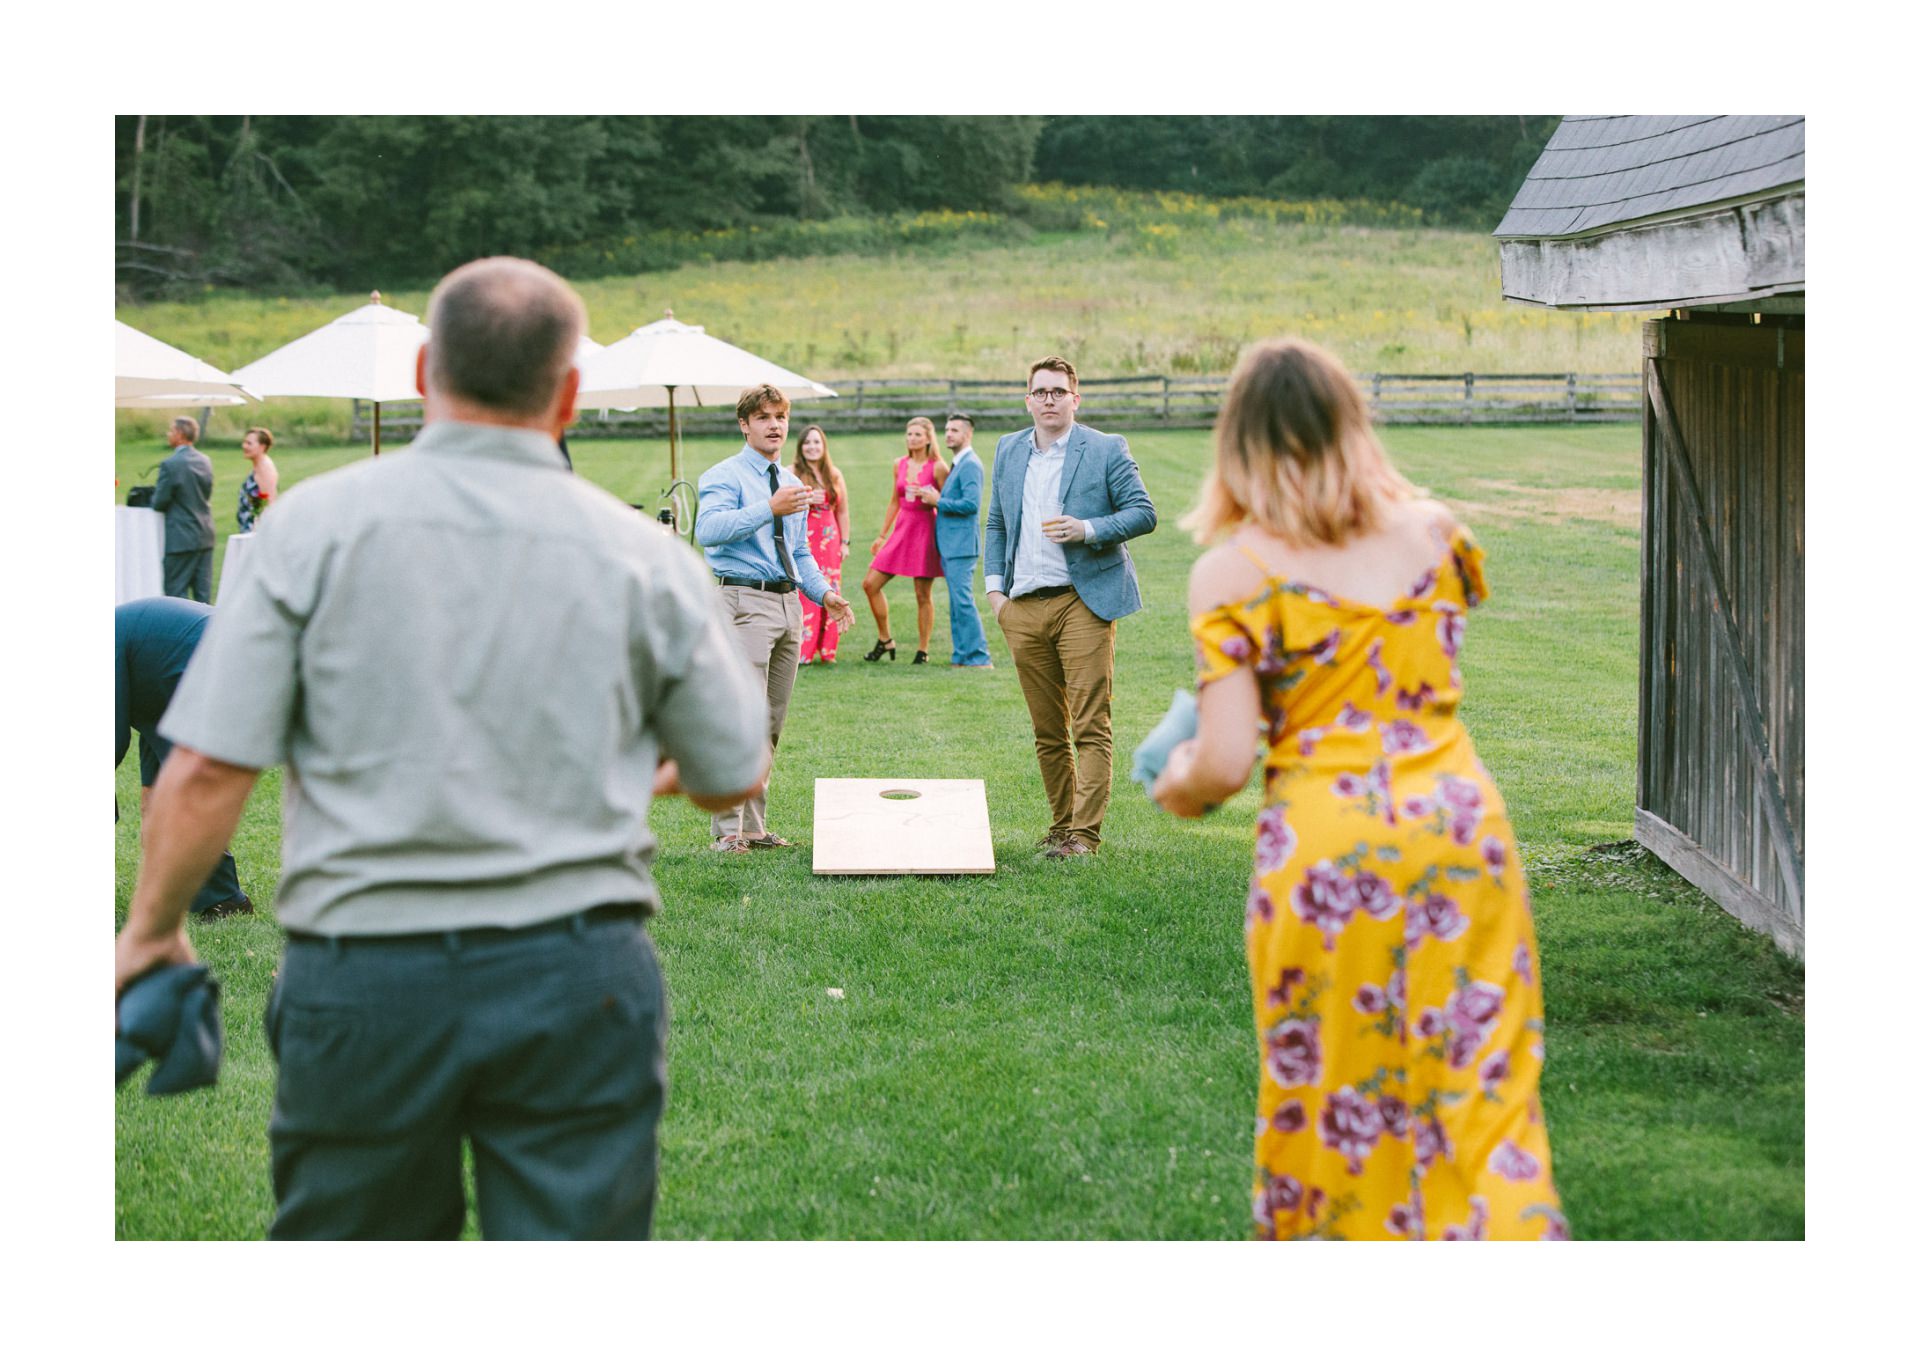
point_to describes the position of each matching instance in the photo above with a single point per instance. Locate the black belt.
(764, 585)
(457, 937)
(1052, 591)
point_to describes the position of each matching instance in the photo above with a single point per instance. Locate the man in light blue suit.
(1066, 499)
(957, 530)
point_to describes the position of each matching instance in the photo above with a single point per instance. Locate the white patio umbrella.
(366, 354)
(667, 362)
(148, 374)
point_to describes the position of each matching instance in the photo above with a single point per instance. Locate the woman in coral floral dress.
(826, 538)
(1396, 984)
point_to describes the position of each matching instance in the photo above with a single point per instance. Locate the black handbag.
(140, 496)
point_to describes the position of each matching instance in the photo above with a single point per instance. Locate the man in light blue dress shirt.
(752, 523)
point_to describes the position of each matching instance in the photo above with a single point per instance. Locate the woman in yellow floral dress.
(1396, 985)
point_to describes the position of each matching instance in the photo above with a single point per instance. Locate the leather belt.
(458, 937)
(764, 585)
(1051, 591)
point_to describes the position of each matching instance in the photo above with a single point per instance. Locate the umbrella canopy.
(148, 374)
(670, 363)
(366, 354)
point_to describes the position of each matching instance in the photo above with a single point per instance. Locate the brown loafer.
(769, 840)
(1070, 847)
(731, 843)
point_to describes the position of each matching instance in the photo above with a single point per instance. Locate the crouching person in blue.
(479, 671)
(153, 639)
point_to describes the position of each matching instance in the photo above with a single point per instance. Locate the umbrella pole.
(376, 428)
(673, 442)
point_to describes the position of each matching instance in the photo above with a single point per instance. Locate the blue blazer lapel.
(1014, 480)
(1076, 452)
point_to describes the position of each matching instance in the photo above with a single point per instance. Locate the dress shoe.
(731, 843)
(769, 840)
(226, 908)
(1070, 847)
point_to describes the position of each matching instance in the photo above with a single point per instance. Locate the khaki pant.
(1063, 654)
(767, 628)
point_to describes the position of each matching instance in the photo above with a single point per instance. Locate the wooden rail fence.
(1125, 403)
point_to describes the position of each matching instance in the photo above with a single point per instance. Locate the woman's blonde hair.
(933, 438)
(1295, 453)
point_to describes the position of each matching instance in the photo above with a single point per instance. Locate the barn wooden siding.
(1721, 785)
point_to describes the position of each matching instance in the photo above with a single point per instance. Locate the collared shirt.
(735, 524)
(1039, 562)
(471, 663)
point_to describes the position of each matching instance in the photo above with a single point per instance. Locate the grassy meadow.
(1124, 284)
(1066, 1050)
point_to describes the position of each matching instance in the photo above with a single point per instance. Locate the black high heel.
(919, 656)
(881, 647)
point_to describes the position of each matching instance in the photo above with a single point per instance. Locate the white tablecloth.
(235, 564)
(139, 537)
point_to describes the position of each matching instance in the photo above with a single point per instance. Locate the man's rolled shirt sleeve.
(236, 700)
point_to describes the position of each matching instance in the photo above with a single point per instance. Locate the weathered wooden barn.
(1702, 218)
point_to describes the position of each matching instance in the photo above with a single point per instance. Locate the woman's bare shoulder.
(1225, 574)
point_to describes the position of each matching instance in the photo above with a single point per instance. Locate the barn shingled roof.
(1600, 171)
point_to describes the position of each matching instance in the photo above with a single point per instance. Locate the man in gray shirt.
(472, 665)
(182, 493)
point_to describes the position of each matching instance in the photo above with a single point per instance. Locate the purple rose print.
(1236, 647)
(1424, 584)
(1493, 851)
(1404, 1219)
(1382, 680)
(1290, 977)
(1273, 841)
(1418, 807)
(1259, 904)
(1555, 1229)
(1403, 736)
(1328, 649)
(1309, 739)
(1402, 616)
(1289, 1118)
(1523, 963)
(1397, 991)
(1350, 1125)
(1293, 1053)
(1325, 900)
(1429, 1024)
(1465, 824)
(1513, 1163)
(1352, 717)
(1413, 699)
(1348, 786)
(1394, 1115)
(1374, 896)
(1430, 1142)
(1452, 629)
(1434, 916)
(1495, 1068)
(1281, 1195)
(1457, 793)
(1380, 784)
(1470, 1015)
(1370, 999)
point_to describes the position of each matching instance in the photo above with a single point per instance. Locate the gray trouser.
(768, 630)
(543, 1047)
(181, 571)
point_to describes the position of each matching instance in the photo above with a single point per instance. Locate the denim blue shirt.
(735, 524)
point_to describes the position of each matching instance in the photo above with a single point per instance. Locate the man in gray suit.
(1066, 498)
(182, 493)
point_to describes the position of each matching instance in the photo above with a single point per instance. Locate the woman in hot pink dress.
(826, 538)
(906, 544)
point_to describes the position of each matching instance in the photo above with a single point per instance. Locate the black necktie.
(779, 532)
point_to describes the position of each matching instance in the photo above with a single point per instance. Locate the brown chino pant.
(1063, 654)
(767, 629)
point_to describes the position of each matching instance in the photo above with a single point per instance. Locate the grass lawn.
(1066, 1050)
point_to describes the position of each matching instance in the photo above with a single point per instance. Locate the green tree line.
(282, 202)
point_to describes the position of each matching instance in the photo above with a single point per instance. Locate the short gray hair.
(504, 334)
(189, 427)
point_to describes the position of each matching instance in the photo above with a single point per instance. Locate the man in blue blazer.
(1066, 499)
(957, 531)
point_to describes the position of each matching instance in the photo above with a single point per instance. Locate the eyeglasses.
(1043, 394)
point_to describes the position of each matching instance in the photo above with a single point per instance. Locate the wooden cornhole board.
(941, 829)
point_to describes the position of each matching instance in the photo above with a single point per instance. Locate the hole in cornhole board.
(879, 826)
